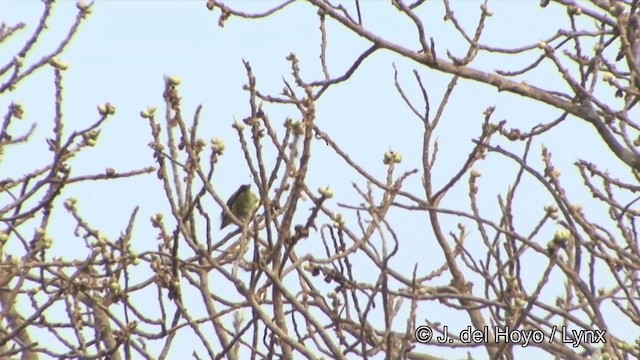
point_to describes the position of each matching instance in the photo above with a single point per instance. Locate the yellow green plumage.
(242, 204)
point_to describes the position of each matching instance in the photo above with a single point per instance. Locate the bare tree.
(573, 295)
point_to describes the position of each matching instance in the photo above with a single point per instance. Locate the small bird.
(242, 204)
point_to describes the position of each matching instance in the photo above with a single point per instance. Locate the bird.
(242, 204)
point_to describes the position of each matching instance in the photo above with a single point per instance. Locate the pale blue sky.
(125, 48)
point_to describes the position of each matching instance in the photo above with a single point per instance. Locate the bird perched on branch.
(242, 204)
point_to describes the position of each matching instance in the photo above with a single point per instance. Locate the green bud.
(562, 235)
(17, 111)
(326, 192)
(70, 203)
(60, 65)
(148, 112)
(338, 221)
(17, 60)
(173, 80)
(397, 158)
(238, 126)
(218, 144)
(392, 157)
(388, 157)
(106, 109)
